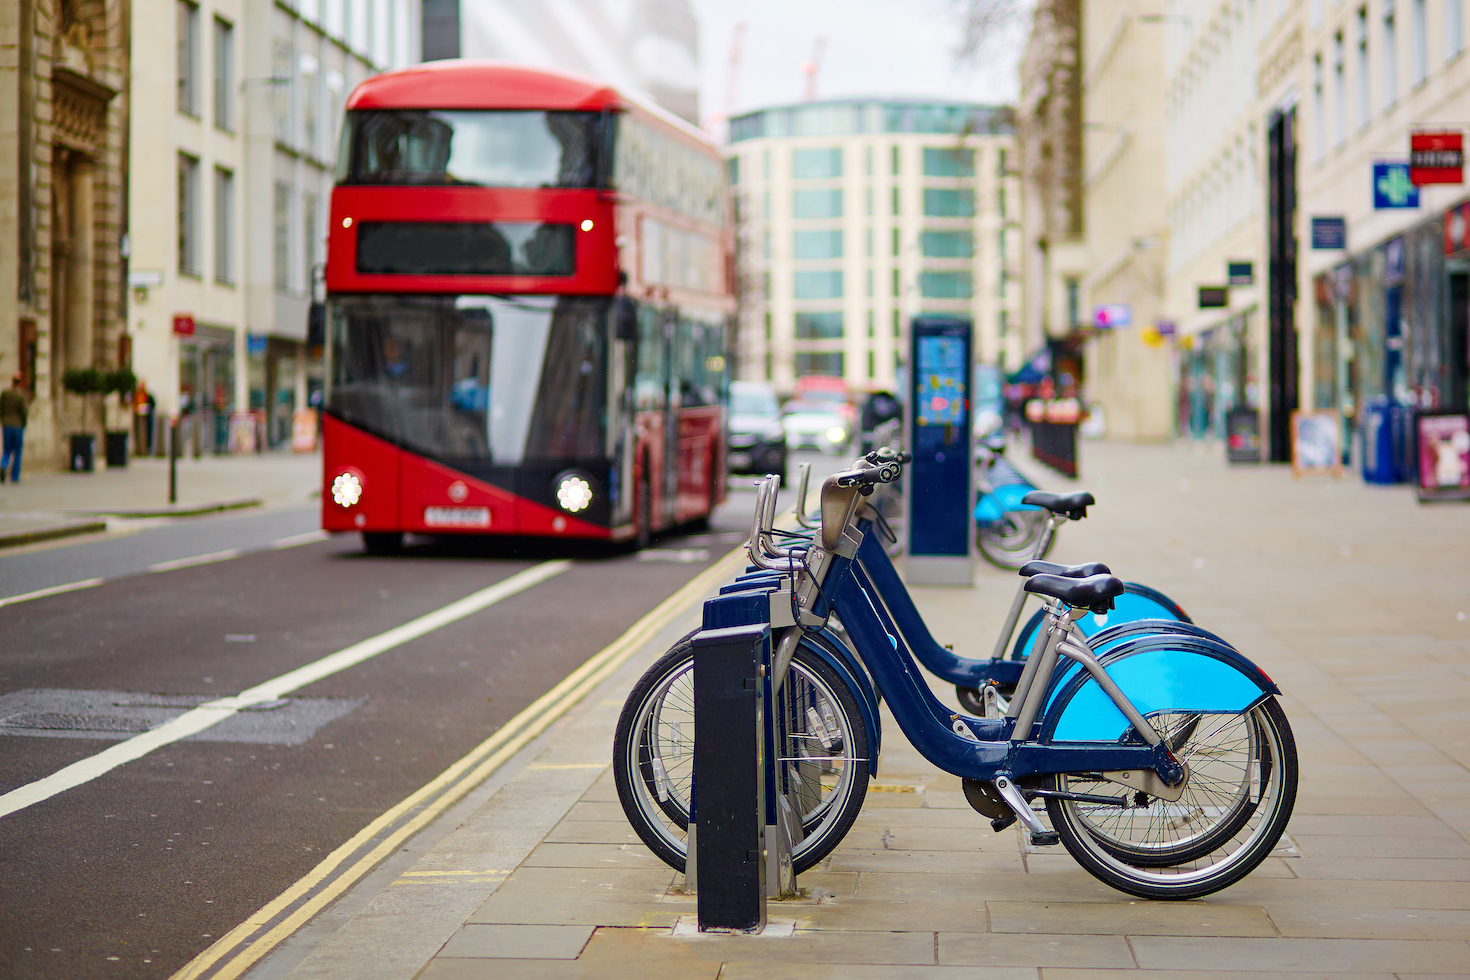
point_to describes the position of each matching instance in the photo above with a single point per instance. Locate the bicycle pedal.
(1045, 838)
(1001, 823)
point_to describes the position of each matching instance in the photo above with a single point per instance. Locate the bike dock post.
(727, 826)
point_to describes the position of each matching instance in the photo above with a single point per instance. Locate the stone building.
(63, 126)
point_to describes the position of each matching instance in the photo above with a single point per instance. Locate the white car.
(816, 425)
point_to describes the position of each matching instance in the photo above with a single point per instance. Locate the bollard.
(728, 813)
(173, 460)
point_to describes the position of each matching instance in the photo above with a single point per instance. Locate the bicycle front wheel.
(1241, 790)
(822, 757)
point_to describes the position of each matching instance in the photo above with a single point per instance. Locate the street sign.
(1437, 158)
(1240, 273)
(254, 343)
(1111, 315)
(1392, 187)
(1213, 297)
(1329, 233)
(184, 324)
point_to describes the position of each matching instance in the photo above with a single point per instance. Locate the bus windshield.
(483, 148)
(498, 379)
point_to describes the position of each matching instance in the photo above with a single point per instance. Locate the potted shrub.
(84, 382)
(124, 382)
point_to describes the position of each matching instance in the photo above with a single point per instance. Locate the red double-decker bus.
(529, 291)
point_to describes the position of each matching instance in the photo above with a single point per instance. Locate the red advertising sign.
(1444, 455)
(184, 324)
(1437, 158)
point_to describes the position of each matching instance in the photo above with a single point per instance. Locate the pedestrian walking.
(14, 413)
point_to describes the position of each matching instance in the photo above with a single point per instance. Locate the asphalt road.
(134, 872)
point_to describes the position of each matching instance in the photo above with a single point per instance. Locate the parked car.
(757, 437)
(816, 425)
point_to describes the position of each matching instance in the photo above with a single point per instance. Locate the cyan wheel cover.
(1156, 681)
(1130, 607)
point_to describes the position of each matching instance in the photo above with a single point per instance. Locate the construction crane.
(811, 68)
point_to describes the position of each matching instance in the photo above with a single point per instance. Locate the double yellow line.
(247, 943)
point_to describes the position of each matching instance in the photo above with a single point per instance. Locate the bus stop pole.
(173, 460)
(728, 812)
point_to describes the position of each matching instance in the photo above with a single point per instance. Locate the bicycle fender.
(1158, 674)
(857, 680)
(1137, 602)
(993, 506)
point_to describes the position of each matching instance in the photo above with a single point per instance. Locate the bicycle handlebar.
(882, 466)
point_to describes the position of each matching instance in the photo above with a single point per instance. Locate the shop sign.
(1329, 233)
(1240, 273)
(1167, 328)
(1437, 158)
(254, 344)
(1243, 435)
(1111, 315)
(1444, 455)
(184, 324)
(1213, 297)
(1457, 228)
(1392, 187)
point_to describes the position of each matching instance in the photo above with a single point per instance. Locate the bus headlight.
(346, 489)
(573, 492)
(836, 434)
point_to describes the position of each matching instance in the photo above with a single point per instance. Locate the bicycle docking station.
(939, 491)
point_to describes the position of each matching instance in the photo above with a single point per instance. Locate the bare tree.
(981, 21)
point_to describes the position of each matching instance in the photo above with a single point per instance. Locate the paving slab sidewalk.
(1352, 598)
(46, 505)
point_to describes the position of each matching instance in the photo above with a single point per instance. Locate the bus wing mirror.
(625, 319)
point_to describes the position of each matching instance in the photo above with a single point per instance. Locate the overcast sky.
(874, 47)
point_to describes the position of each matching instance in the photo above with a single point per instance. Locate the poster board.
(1316, 442)
(1444, 455)
(1243, 435)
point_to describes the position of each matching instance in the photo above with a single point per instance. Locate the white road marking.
(213, 556)
(310, 537)
(54, 590)
(214, 712)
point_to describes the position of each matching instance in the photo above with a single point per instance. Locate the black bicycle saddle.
(1066, 571)
(1096, 592)
(1072, 506)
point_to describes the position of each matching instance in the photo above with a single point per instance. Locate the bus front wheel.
(382, 542)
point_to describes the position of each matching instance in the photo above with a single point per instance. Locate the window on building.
(1364, 110)
(766, 244)
(1000, 164)
(897, 325)
(868, 194)
(188, 56)
(732, 168)
(1419, 42)
(872, 329)
(942, 202)
(1390, 57)
(1319, 110)
(770, 364)
(872, 364)
(895, 208)
(819, 326)
(1453, 29)
(870, 284)
(281, 227)
(816, 164)
(310, 240)
(766, 206)
(897, 284)
(826, 244)
(817, 204)
(948, 162)
(868, 161)
(281, 68)
(766, 164)
(768, 328)
(309, 98)
(1003, 324)
(817, 284)
(1339, 90)
(1074, 303)
(1000, 202)
(224, 225)
(944, 285)
(869, 236)
(189, 215)
(897, 250)
(895, 160)
(827, 363)
(224, 74)
(947, 244)
(766, 286)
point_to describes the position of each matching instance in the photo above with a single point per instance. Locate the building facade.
(233, 146)
(63, 167)
(854, 216)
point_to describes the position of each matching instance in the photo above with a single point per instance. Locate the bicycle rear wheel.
(1011, 542)
(1242, 787)
(822, 756)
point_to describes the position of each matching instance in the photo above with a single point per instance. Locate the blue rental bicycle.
(1165, 764)
(1008, 531)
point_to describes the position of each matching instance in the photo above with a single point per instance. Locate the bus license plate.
(457, 516)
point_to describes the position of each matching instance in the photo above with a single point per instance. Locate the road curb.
(51, 533)
(182, 510)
